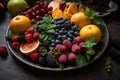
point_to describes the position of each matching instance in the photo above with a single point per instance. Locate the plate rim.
(57, 69)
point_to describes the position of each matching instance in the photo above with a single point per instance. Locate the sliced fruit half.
(28, 48)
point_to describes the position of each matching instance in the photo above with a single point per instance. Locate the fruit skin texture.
(19, 24)
(15, 45)
(16, 6)
(3, 50)
(67, 43)
(80, 19)
(91, 31)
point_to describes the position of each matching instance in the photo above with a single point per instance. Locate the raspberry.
(29, 37)
(50, 60)
(77, 40)
(36, 35)
(67, 43)
(60, 47)
(15, 45)
(15, 38)
(76, 48)
(71, 57)
(30, 30)
(63, 58)
(3, 50)
(34, 56)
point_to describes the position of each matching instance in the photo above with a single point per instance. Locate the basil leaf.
(80, 60)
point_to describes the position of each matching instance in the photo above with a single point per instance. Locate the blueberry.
(56, 33)
(70, 39)
(42, 61)
(71, 36)
(53, 44)
(60, 32)
(76, 33)
(57, 41)
(50, 61)
(64, 37)
(58, 19)
(59, 37)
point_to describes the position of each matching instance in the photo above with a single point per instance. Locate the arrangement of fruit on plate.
(56, 34)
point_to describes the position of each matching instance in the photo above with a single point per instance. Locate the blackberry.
(50, 61)
(41, 50)
(22, 39)
(42, 61)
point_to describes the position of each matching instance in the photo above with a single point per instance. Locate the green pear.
(16, 6)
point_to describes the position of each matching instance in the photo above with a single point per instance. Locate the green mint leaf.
(47, 19)
(90, 43)
(51, 31)
(88, 57)
(51, 36)
(90, 51)
(91, 13)
(80, 60)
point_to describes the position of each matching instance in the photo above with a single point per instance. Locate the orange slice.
(68, 15)
(28, 48)
(54, 12)
(72, 8)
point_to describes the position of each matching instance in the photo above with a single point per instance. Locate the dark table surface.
(13, 69)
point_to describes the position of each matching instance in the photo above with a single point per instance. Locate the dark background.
(12, 69)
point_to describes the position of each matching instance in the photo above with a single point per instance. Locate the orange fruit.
(80, 19)
(28, 48)
(72, 8)
(91, 31)
(19, 24)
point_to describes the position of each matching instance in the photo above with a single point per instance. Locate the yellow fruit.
(90, 31)
(68, 15)
(19, 24)
(80, 19)
(28, 48)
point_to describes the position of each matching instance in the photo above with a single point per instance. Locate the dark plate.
(112, 7)
(100, 48)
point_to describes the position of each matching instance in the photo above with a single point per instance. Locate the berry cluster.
(29, 36)
(65, 29)
(39, 10)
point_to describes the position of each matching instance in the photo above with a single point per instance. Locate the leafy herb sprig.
(108, 64)
(47, 30)
(93, 15)
(82, 59)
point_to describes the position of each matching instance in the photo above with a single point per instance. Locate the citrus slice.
(28, 48)
(72, 8)
(54, 12)
(68, 15)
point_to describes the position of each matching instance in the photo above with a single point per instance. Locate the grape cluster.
(65, 29)
(39, 10)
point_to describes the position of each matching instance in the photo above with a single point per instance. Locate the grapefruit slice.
(28, 48)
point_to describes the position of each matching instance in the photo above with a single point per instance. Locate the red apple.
(1, 9)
